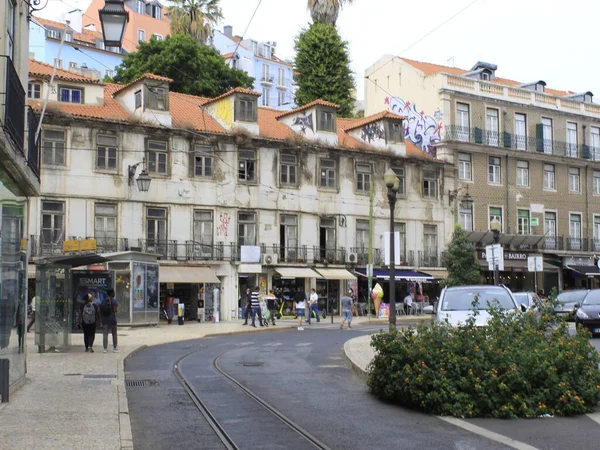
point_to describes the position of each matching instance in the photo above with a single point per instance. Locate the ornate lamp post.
(113, 19)
(392, 183)
(143, 180)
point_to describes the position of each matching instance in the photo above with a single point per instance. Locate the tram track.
(217, 426)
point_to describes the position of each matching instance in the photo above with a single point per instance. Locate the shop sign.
(71, 246)
(87, 245)
(508, 256)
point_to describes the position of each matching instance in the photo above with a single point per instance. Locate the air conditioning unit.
(270, 260)
(351, 258)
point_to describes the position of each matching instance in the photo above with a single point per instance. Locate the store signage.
(509, 256)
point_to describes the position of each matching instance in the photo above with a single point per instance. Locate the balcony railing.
(428, 258)
(33, 145)
(577, 244)
(12, 97)
(362, 255)
(327, 255)
(267, 79)
(553, 243)
(289, 254)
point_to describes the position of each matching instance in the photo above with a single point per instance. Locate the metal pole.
(496, 241)
(370, 259)
(392, 316)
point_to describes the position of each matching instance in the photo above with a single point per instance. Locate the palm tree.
(326, 11)
(195, 17)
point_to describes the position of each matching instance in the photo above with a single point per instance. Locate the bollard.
(4, 372)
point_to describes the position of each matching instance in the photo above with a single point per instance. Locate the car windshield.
(593, 298)
(571, 296)
(461, 299)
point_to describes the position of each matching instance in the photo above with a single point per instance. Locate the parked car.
(456, 303)
(588, 312)
(567, 301)
(529, 299)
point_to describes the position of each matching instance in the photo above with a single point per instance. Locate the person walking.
(313, 306)
(347, 303)
(247, 305)
(255, 304)
(31, 313)
(108, 316)
(272, 305)
(169, 307)
(300, 308)
(89, 316)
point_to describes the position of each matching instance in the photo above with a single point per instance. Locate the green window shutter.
(496, 212)
(539, 137)
(585, 151)
(524, 213)
(507, 140)
(478, 135)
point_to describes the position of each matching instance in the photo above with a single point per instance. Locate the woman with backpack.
(90, 314)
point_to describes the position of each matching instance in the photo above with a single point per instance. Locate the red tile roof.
(149, 76)
(237, 90)
(358, 123)
(317, 102)
(44, 71)
(88, 36)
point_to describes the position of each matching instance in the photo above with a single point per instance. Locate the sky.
(528, 40)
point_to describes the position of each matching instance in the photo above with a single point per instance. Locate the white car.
(456, 303)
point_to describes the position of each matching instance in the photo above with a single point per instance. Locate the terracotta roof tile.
(187, 112)
(270, 127)
(317, 102)
(413, 151)
(237, 90)
(227, 55)
(357, 123)
(44, 71)
(149, 76)
(88, 36)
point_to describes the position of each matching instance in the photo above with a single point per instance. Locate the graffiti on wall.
(304, 122)
(224, 111)
(223, 227)
(422, 130)
(373, 132)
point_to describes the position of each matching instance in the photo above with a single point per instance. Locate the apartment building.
(19, 181)
(527, 154)
(240, 195)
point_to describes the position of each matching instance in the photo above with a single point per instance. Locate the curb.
(355, 367)
(125, 434)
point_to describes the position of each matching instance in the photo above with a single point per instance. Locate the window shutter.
(539, 137)
(478, 135)
(585, 151)
(507, 140)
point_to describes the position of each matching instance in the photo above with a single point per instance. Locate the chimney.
(228, 31)
(75, 18)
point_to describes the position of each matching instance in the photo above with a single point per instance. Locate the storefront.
(289, 284)
(580, 273)
(331, 286)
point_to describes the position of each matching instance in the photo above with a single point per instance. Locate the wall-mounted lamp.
(466, 200)
(113, 18)
(143, 179)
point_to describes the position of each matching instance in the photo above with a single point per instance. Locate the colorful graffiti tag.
(373, 132)
(422, 130)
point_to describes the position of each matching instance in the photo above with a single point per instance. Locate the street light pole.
(495, 227)
(392, 183)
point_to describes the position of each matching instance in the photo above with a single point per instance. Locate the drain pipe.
(507, 198)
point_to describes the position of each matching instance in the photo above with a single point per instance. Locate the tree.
(459, 259)
(195, 69)
(323, 66)
(326, 11)
(197, 18)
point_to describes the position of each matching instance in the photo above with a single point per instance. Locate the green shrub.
(519, 365)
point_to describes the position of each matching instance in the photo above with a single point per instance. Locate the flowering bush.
(519, 365)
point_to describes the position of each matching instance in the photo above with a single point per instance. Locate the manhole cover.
(140, 383)
(252, 364)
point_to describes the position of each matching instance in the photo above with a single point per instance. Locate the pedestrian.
(108, 316)
(313, 305)
(31, 313)
(247, 305)
(272, 305)
(88, 317)
(255, 305)
(347, 304)
(300, 308)
(407, 303)
(169, 306)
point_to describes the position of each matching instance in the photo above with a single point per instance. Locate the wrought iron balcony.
(554, 243)
(362, 256)
(326, 255)
(428, 258)
(577, 244)
(290, 254)
(12, 97)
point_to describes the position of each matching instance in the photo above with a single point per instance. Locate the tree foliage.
(197, 18)
(459, 259)
(326, 11)
(195, 69)
(323, 66)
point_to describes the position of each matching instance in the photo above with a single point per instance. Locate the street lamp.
(393, 184)
(495, 226)
(143, 179)
(113, 19)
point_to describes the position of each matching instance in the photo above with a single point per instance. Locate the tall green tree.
(326, 11)
(197, 18)
(323, 66)
(460, 261)
(195, 69)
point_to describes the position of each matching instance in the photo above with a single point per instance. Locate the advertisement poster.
(152, 283)
(384, 311)
(139, 286)
(92, 282)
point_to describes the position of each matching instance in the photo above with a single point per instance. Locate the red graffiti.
(223, 228)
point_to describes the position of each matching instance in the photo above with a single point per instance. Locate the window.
(485, 76)
(53, 222)
(203, 161)
(574, 179)
(547, 134)
(466, 216)
(34, 90)
(141, 35)
(429, 184)
(264, 98)
(158, 37)
(245, 110)
(363, 177)
(138, 99)
(550, 230)
(156, 228)
(495, 213)
(58, 63)
(523, 221)
(265, 73)
(161, 98)
(463, 122)
(596, 233)
(71, 95)
(362, 234)
(575, 232)
(395, 131)
(106, 156)
(288, 237)
(10, 29)
(326, 121)
(141, 7)
(247, 165)
(493, 127)
(105, 226)
(280, 77)
(53, 147)
(328, 173)
(109, 73)
(595, 143)
(254, 47)
(571, 139)
(399, 171)
(69, 37)
(280, 98)
(327, 239)
(288, 169)
(549, 177)
(494, 172)
(522, 173)
(430, 245)
(401, 229)
(520, 131)
(203, 231)
(157, 157)
(596, 182)
(465, 165)
(156, 98)
(156, 12)
(72, 65)
(54, 34)
(246, 228)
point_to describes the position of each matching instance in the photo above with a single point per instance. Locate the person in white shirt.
(313, 303)
(407, 303)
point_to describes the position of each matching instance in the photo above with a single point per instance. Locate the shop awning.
(437, 274)
(401, 275)
(590, 271)
(507, 240)
(178, 274)
(336, 274)
(297, 272)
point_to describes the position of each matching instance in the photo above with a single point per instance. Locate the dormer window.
(141, 7)
(485, 76)
(156, 12)
(587, 98)
(245, 109)
(325, 121)
(68, 37)
(34, 90)
(254, 47)
(138, 99)
(54, 34)
(395, 131)
(539, 87)
(156, 98)
(69, 94)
